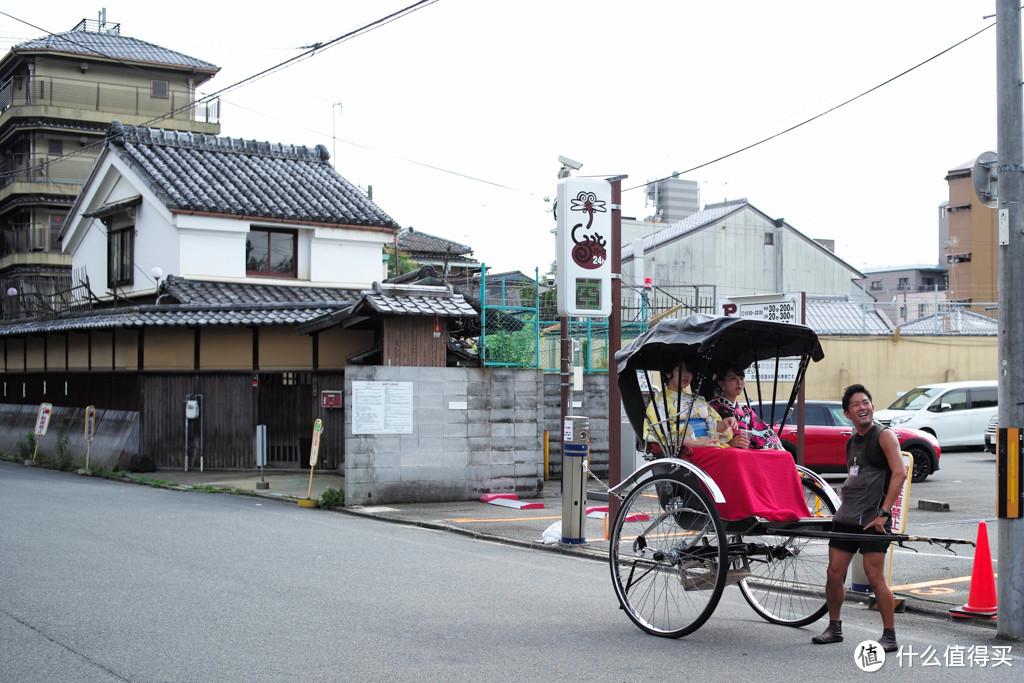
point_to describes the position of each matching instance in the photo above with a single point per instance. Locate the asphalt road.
(104, 581)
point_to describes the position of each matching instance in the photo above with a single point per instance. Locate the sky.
(456, 113)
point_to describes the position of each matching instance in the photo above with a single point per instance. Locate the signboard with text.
(584, 244)
(779, 308)
(43, 418)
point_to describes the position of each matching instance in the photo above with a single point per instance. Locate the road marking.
(937, 582)
(500, 519)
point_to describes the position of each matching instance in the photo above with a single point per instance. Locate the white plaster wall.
(732, 256)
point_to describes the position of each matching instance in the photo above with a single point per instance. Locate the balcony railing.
(64, 170)
(22, 91)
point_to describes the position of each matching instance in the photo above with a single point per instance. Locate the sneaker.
(832, 634)
(888, 643)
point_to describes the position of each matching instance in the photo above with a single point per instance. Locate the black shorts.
(865, 546)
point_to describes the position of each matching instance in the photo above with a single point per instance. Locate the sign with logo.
(43, 418)
(90, 423)
(584, 247)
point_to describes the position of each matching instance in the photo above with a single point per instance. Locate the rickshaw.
(691, 523)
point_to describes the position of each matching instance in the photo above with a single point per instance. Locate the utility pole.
(1011, 294)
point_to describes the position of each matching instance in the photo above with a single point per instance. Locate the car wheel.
(922, 464)
(790, 448)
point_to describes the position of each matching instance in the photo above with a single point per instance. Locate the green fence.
(520, 325)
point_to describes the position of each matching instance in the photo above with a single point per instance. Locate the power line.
(312, 49)
(817, 116)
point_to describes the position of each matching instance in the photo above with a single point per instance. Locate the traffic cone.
(981, 601)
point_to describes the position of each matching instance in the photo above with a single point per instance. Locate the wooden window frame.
(269, 232)
(121, 257)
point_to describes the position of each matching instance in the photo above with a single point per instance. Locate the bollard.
(575, 450)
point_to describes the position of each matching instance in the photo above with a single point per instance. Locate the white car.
(990, 434)
(956, 413)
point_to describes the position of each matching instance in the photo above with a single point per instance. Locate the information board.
(382, 408)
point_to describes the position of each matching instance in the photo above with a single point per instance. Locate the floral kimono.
(761, 435)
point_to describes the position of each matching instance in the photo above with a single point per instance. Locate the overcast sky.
(456, 113)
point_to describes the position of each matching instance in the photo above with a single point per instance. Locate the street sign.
(43, 418)
(90, 423)
(778, 308)
(318, 428)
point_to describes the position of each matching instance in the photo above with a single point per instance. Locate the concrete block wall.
(494, 444)
(594, 404)
(115, 441)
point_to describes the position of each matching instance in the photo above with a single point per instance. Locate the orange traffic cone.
(981, 601)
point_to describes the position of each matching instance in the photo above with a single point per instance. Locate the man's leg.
(835, 594)
(874, 569)
(835, 581)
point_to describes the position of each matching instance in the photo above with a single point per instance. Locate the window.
(159, 89)
(839, 417)
(959, 258)
(904, 283)
(55, 146)
(876, 285)
(769, 238)
(270, 252)
(953, 400)
(120, 256)
(985, 398)
(56, 222)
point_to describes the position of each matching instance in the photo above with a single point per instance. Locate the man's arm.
(891, 447)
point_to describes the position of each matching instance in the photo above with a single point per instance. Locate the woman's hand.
(739, 441)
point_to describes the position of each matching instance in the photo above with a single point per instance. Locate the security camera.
(566, 161)
(551, 280)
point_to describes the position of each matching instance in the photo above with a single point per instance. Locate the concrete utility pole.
(1010, 588)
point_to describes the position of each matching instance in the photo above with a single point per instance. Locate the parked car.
(956, 413)
(990, 434)
(826, 430)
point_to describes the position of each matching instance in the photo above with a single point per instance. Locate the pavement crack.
(59, 644)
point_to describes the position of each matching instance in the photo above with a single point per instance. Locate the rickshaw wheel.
(787, 576)
(668, 555)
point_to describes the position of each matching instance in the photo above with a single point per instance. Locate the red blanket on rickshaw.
(759, 483)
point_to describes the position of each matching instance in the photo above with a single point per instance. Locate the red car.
(826, 430)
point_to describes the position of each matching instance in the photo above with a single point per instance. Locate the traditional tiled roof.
(200, 292)
(414, 241)
(236, 177)
(389, 300)
(197, 303)
(838, 315)
(111, 45)
(956, 321)
(414, 300)
(432, 250)
(134, 317)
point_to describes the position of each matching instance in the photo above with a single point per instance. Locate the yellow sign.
(1009, 473)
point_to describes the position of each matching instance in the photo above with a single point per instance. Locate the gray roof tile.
(827, 315)
(232, 176)
(112, 46)
(186, 291)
